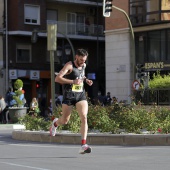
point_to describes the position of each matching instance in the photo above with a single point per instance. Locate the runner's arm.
(65, 70)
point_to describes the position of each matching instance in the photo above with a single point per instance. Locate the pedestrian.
(9, 97)
(2, 110)
(50, 107)
(72, 77)
(108, 99)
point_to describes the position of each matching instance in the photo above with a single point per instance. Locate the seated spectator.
(59, 100)
(100, 99)
(34, 108)
(114, 100)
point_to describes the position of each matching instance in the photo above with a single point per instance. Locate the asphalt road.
(24, 155)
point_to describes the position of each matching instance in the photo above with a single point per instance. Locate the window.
(165, 6)
(76, 23)
(71, 23)
(152, 46)
(80, 20)
(149, 11)
(32, 14)
(168, 45)
(140, 41)
(23, 54)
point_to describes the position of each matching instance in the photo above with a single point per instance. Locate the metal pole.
(119, 9)
(51, 46)
(52, 79)
(6, 36)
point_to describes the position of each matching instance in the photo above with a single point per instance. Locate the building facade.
(150, 25)
(119, 61)
(80, 24)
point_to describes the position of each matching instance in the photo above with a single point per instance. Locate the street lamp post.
(51, 46)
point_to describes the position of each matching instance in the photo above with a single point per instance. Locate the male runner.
(72, 76)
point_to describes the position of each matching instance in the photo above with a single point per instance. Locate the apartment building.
(80, 24)
(150, 21)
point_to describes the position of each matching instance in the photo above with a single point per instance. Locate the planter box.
(17, 112)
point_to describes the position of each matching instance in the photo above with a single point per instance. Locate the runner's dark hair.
(81, 52)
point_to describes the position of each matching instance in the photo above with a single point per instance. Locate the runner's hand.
(89, 82)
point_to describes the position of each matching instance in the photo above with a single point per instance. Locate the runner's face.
(80, 60)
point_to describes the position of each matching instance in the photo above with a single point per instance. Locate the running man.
(72, 76)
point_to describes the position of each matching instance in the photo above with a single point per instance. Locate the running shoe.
(53, 128)
(85, 149)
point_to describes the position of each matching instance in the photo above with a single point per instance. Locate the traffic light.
(140, 71)
(38, 85)
(107, 8)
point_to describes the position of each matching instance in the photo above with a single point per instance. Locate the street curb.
(95, 139)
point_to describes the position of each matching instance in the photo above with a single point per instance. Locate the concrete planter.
(17, 112)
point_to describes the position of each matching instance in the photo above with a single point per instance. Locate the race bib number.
(77, 88)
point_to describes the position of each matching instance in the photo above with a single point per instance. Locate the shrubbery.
(159, 81)
(114, 118)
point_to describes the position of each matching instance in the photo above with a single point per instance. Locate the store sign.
(34, 75)
(156, 65)
(13, 74)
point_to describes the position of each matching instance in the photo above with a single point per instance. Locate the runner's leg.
(82, 108)
(66, 113)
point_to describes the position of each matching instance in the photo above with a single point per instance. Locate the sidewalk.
(11, 127)
(66, 137)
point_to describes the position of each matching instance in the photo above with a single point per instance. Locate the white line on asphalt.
(101, 147)
(31, 167)
(45, 146)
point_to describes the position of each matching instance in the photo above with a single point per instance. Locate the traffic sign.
(136, 85)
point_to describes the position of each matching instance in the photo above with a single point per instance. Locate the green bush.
(159, 81)
(35, 123)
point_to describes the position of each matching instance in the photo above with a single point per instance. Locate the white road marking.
(45, 146)
(31, 167)
(101, 147)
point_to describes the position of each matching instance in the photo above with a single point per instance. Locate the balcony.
(80, 30)
(83, 2)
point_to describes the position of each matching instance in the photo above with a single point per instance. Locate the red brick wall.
(118, 20)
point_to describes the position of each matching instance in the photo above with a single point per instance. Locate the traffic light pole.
(119, 9)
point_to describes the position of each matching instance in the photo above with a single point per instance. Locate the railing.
(70, 28)
(149, 97)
